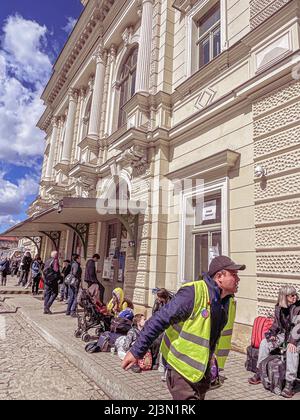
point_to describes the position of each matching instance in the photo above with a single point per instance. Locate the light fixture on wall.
(260, 171)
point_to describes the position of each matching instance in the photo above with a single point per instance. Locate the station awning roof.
(74, 210)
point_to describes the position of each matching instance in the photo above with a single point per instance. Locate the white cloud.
(24, 70)
(70, 25)
(13, 196)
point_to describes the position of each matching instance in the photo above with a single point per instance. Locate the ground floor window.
(204, 233)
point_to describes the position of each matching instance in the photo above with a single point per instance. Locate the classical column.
(111, 92)
(94, 126)
(144, 55)
(82, 93)
(53, 140)
(67, 146)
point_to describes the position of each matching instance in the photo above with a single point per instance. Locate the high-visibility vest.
(185, 346)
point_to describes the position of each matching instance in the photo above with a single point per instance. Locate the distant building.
(8, 243)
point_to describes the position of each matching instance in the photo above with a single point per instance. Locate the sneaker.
(255, 380)
(74, 315)
(288, 390)
(68, 313)
(47, 312)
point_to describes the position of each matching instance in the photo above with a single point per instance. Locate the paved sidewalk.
(105, 370)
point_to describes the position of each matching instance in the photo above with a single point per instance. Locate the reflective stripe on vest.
(185, 346)
(224, 343)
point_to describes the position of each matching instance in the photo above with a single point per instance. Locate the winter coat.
(287, 322)
(90, 272)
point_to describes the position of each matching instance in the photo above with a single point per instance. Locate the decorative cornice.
(63, 168)
(90, 144)
(92, 17)
(86, 170)
(220, 162)
(183, 6)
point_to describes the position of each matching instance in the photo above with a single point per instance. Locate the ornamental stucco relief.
(277, 120)
(283, 186)
(269, 289)
(288, 210)
(278, 237)
(281, 264)
(280, 97)
(277, 142)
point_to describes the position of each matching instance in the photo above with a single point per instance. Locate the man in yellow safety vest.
(198, 323)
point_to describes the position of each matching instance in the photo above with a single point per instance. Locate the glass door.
(207, 246)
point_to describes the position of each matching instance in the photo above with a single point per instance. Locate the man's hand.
(291, 348)
(129, 361)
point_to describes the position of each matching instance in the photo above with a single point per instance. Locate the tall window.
(127, 83)
(209, 32)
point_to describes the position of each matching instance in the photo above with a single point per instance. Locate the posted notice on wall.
(210, 210)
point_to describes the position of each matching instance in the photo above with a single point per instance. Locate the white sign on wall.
(210, 210)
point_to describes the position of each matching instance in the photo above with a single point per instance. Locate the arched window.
(127, 83)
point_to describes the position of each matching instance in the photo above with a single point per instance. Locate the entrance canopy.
(75, 211)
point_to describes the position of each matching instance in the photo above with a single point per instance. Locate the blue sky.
(32, 34)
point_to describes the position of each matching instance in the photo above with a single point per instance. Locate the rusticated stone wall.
(277, 198)
(260, 10)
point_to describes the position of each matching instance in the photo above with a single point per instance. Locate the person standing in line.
(198, 323)
(96, 289)
(76, 273)
(4, 267)
(25, 269)
(64, 288)
(36, 272)
(52, 277)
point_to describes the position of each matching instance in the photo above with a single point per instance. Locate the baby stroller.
(94, 316)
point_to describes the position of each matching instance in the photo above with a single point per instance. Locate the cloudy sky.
(32, 33)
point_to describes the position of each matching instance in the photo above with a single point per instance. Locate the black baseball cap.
(223, 263)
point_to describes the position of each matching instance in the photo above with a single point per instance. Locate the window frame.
(127, 80)
(197, 12)
(209, 33)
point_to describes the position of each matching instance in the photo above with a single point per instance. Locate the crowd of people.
(188, 334)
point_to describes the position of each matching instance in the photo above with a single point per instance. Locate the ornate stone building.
(147, 93)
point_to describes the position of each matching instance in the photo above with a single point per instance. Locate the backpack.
(103, 342)
(120, 325)
(252, 358)
(260, 327)
(92, 347)
(272, 373)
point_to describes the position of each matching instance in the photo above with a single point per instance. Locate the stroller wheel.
(99, 331)
(78, 333)
(86, 337)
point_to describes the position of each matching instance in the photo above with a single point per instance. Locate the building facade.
(189, 108)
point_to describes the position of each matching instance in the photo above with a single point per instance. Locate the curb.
(116, 390)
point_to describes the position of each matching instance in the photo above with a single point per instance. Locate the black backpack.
(120, 325)
(272, 373)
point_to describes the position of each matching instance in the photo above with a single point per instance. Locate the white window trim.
(194, 15)
(218, 185)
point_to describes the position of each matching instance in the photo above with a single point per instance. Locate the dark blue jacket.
(179, 309)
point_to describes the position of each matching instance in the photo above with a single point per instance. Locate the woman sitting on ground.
(124, 344)
(285, 330)
(118, 303)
